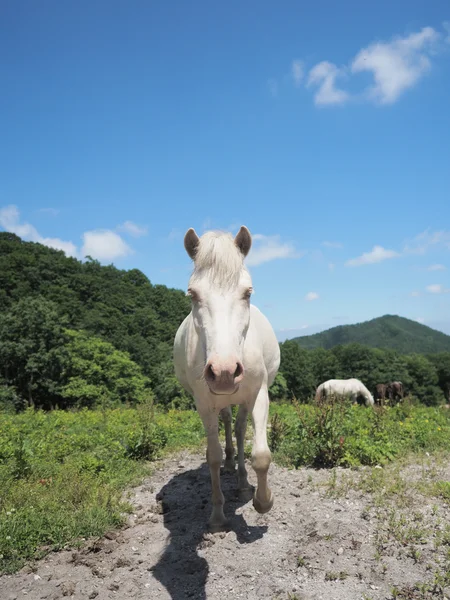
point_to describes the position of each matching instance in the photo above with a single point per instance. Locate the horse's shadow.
(186, 505)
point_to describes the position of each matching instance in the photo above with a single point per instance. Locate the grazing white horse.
(225, 353)
(345, 388)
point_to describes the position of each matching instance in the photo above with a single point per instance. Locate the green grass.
(350, 435)
(62, 474)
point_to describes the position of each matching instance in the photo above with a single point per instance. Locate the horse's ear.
(191, 241)
(243, 240)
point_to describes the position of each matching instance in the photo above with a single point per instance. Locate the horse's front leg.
(227, 418)
(245, 490)
(217, 521)
(261, 456)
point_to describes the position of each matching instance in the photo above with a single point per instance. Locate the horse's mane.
(218, 255)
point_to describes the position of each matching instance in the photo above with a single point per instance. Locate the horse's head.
(220, 288)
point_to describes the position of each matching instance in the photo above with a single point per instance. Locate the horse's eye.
(248, 293)
(193, 294)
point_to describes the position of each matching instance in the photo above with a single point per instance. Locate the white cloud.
(10, 221)
(132, 229)
(324, 76)
(332, 244)
(420, 320)
(397, 65)
(437, 268)
(273, 87)
(266, 248)
(103, 244)
(426, 240)
(297, 72)
(415, 294)
(331, 266)
(436, 288)
(376, 255)
(310, 296)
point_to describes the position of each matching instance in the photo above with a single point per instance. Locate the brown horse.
(395, 391)
(380, 393)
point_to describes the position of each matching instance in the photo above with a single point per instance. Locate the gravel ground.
(310, 546)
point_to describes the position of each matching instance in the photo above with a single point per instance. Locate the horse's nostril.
(239, 370)
(210, 376)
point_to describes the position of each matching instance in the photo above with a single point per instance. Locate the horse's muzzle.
(223, 376)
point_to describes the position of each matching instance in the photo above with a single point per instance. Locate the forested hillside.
(389, 331)
(425, 377)
(45, 297)
(75, 334)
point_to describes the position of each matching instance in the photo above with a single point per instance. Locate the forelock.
(218, 259)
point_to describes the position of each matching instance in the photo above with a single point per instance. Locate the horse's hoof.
(261, 507)
(219, 526)
(245, 494)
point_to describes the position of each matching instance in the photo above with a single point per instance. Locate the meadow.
(63, 473)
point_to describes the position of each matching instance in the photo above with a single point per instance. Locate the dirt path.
(310, 546)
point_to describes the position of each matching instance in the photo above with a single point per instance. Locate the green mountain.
(389, 331)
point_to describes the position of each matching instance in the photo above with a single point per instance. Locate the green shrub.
(339, 434)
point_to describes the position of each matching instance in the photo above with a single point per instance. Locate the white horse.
(225, 353)
(345, 388)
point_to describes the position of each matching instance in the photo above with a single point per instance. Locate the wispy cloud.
(175, 234)
(310, 296)
(420, 244)
(266, 248)
(396, 66)
(446, 25)
(132, 229)
(104, 244)
(324, 76)
(420, 320)
(10, 221)
(331, 266)
(272, 84)
(426, 240)
(332, 244)
(376, 255)
(53, 212)
(207, 224)
(298, 72)
(437, 288)
(415, 294)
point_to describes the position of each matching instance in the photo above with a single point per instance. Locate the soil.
(308, 547)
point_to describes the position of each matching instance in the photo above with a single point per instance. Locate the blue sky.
(323, 127)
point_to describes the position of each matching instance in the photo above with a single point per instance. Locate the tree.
(279, 388)
(359, 362)
(32, 351)
(168, 390)
(422, 380)
(325, 365)
(296, 367)
(96, 371)
(441, 363)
